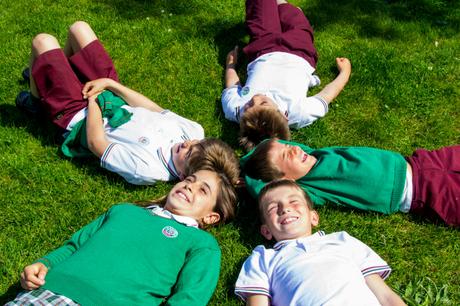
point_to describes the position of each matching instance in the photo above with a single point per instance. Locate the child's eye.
(203, 190)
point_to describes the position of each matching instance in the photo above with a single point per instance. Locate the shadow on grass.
(49, 136)
(139, 9)
(11, 293)
(321, 13)
(366, 14)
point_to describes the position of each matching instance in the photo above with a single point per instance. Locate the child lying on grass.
(139, 256)
(282, 61)
(304, 268)
(78, 89)
(426, 183)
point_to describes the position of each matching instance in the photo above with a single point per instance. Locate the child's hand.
(232, 58)
(95, 87)
(343, 64)
(33, 276)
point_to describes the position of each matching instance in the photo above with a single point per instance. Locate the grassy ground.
(403, 94)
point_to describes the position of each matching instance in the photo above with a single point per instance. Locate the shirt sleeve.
(191, 129)
(198, 278)
(307, 111)
(232, 103)
(74, 243)
(134, 169)
(253, 278)
(368, 261)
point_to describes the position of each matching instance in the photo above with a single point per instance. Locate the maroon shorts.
(436, 181)
(60, 80)
(274, 27)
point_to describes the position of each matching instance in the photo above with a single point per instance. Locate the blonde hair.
(264, 123)
(277, 184)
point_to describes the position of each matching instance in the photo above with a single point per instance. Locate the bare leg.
(79, 36)
(40, 44)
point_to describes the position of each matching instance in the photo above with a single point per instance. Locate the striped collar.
(161, 212)
(165, 157)
(281, 244)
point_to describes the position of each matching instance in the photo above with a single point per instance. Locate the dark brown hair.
(258, 165)
(261, 124)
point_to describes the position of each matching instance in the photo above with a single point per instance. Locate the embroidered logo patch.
(169, 232)
(144, 140)
(244, 91)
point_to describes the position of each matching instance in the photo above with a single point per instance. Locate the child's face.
(286, 214)
(291, 160)
(259, 101)
(180, 153)
(195, 197)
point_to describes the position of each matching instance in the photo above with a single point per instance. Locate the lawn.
(404, 93)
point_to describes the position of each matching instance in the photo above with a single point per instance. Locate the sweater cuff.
(44, 261)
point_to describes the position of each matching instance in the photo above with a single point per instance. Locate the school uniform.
(135, 256)
(282, 61)
(316, 270)
(141, 143)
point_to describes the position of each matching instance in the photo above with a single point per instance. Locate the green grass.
(404, 93)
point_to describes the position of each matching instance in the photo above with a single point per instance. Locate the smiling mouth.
(183, 196)
(289, 220)
(304, 157)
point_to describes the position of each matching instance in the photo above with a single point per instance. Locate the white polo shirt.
(140, 149)
(316, 270)
(283, 77)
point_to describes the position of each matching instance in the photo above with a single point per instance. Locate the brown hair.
(215, 155)
(258, 165)
(281, 183)
(261, 124)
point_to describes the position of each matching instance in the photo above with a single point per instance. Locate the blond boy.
(305, 268)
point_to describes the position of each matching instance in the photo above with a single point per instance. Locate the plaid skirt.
(41, 297)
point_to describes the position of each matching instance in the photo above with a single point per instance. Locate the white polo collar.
(165, 156)
(161, 212)
(280, 244)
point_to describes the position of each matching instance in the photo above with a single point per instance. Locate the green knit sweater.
(358, 177)
(128, 256)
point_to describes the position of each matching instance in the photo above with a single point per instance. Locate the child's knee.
(79, 27)
(44, 42)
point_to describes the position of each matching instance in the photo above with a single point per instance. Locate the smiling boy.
(426, 183)
(309, 269)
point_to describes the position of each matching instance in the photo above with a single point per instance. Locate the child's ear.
(265, 231)
(314, 218)
(211, 218)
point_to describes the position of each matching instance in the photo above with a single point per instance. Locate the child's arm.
(258, 300)
(384, 294)
(33, 276)
(332, 90)
(198, 278)
(132, 97)
(231, 77)
(95, 134)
